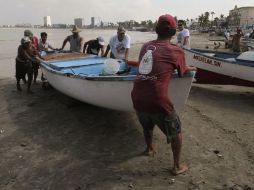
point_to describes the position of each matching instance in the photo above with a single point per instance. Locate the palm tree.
(212, 13)
(206, 18)
(201, 19)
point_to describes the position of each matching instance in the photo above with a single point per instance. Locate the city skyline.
(32, 11)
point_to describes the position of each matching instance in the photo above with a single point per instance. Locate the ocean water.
(10, 40)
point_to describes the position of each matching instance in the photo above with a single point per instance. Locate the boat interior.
(94, 67)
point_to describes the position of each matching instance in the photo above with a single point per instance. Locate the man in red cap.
(157, 61)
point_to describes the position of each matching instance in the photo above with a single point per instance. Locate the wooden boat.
(84, 78)
(247, 44)
(222, 67)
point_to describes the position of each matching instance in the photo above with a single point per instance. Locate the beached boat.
(216, 67)
(247, 43)
(88, 80)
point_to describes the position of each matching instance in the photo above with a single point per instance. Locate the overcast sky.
(64, 11)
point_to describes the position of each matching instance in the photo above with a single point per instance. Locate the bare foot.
(149, 152)
(183, 168)
(19, 87)
(29, 92)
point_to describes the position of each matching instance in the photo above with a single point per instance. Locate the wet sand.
(51, 141)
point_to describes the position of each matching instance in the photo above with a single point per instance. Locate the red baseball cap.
(167, 18)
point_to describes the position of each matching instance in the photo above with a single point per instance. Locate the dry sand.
(49, 141)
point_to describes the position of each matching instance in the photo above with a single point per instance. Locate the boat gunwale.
(103, 77)
(246, 63)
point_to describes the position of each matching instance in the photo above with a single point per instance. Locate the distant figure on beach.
(75, 40)
(227, 39)
(43, 44)
(183, 36)
(24, 63)
(95, 46)
(119, 44)
(236, 40)
(34, 39)
(157, 61)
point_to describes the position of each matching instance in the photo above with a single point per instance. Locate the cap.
(101, 41)
(166, 18)
(75, 29)
(25, 39)
(121, 29)
(28, 33)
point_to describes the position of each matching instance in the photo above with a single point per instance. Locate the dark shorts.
(169, 124)
(23, 68)
(36, 66)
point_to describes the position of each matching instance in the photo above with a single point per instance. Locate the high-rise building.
(78, 22)
(92, 22)
(47, 21)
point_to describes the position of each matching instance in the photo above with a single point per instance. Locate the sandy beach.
(52, 142)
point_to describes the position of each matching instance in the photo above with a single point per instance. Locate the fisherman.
(34, 39)
(183, 36)
(94, 46)
(158, 59)
(43, 44)
(24, 63)
(119, 44)
(75, 40)
(236, 40)
(33, 51)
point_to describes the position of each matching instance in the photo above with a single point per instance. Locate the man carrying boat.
(33, 51)
(75, 40)
(183, 37)
(43, 44)
(24, 63)
(34, 39)
(94, 46)
(157, 61)
(119, 44)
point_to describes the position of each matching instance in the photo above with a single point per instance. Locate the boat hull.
(212, 70)
(112, 94)
(84, 79)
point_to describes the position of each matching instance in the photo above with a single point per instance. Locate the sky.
(64, 11)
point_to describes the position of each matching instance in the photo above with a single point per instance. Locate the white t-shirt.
(118, 48)
(44, 46)
(180, 38)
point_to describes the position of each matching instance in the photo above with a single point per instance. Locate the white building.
(47, 21)
(242, 17)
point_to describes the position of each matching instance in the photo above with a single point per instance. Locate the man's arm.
(107, 50)
(51, 47)
(102, 50)
(190, 68)
(85, 45)
(81, 44)
(65, 41)
(186, 38)
(126, 54)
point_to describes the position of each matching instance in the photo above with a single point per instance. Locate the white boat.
(84, 79)
(248, 43)
(222, 67)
